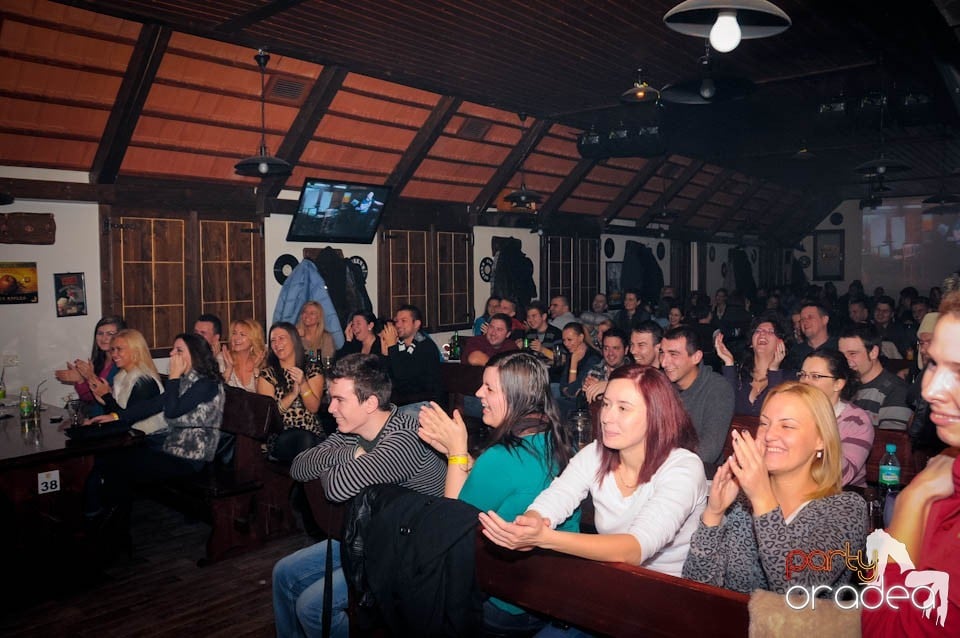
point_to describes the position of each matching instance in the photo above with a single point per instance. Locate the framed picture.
(828, 255)
(71, 294)
(18, 282)
(614, 293)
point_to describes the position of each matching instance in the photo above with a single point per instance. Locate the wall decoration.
(828, 255)
(71, 294)
(661, 250)
(360, 261)
(283, 266)
(486, 269)
(804, 261)
(712, 253)
(608, 248)
(18, 282)
(836, 219)
(614, 293)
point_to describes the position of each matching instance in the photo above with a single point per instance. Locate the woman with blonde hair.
(318, 344)
(778, 494)
(136, 384)
(243, 354)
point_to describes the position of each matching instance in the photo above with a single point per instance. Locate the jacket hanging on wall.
(410, 557)
(743, 273)
(305, 284)
(513, 273)
(641, 271)
(345, 283)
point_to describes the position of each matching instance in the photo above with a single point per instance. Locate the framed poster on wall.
(71, 294)
(614, 293)
(828, 255)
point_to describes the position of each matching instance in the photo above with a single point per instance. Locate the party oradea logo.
(925, 590)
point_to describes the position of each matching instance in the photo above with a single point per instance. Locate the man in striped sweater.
(882, 394)
(373, 444)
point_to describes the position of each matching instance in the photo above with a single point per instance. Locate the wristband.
(462, 460)
(306, 393)
(115, 416)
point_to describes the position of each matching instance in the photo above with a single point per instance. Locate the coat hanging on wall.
(743, 273)
(641, 271)
(512, 272)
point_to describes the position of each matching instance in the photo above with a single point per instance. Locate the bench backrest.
(248, 414)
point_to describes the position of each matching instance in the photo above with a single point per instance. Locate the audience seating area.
(238, 495)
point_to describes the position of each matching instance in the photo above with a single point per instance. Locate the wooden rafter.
(423, 141)
(510, 165)
(137, 81)
(632, 188)
(745, 196)
(685, 176)
(708, 191)
(567, 186)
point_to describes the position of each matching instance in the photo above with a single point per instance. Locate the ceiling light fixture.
(727, 22)
(709, 88)
(524, 199)
(640, 92)
(263, 164)
(804, 153)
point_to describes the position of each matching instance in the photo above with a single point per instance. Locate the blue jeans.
(298, 585)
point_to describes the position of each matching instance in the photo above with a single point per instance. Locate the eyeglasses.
(813, 376)
(764, 331)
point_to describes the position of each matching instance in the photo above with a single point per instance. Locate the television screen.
(331, 211)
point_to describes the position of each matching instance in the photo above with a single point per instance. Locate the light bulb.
(263, 168)
(881, 169)
(725, 33)
(708, 88)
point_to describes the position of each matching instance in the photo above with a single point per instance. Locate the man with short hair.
(413, 361)
(857, 310)
(478, 350)
(645, 343)
(540, 335)
(882, 394)
(509, 307)
(560, 314)
(631, 314)
(614, 351)
(889, 329)
(209, 327)
(597, 312)
(374, 443)
(814, 320)
(705, 394)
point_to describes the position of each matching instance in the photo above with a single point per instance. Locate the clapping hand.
(445, 435)
(227, 357)
(388, 336)
(69, 375)
(99, 388)
(722, 351)
(748, 466)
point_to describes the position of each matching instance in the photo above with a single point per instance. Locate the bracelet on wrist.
(306, 393)
(463, 461)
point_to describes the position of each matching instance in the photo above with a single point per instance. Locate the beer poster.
(18, 282)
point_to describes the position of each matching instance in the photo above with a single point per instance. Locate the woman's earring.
(819, 454)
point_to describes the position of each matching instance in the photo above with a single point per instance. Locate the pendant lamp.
(726, 22)
(524, 198)
(263, 164)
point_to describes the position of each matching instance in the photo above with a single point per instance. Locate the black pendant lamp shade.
(262, 164)
(523, 198)
(640, 92)
(881, 166)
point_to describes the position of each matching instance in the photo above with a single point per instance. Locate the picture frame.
(70, 294)
(614, 272)
(828, 253)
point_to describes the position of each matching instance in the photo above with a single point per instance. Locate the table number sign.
(48, 482)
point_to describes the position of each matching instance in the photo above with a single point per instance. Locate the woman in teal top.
(526, 451)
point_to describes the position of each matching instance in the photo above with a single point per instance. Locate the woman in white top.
(243, 355)
(644, 475)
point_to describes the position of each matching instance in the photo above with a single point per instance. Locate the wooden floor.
(160, 591)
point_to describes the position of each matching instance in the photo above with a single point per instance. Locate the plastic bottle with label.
(26, 402)
(889, 480)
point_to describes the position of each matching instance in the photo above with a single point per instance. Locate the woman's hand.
(85, 368)
(445, 435)
(99, 388)
(295, 375)
(69, 375)
(178, 365)
(348, 332)
(525, 533)
(751, 472)
(778, 355)
(102, 418)
(227, 357)
(722, 351)
(577, 355)
(388, 336)
(723, 491)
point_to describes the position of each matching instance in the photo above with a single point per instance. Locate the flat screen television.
(332, 211)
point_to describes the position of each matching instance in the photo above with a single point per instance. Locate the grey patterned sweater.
(745, 553)
(193, 407)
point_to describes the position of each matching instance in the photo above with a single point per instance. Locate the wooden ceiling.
(424, 95)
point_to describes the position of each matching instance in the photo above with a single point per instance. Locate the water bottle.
(26, 403)
(889, 479)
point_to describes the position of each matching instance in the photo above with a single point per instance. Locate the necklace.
(623, 480)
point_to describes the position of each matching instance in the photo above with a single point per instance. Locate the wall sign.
(71, 294)
(828, 255)
(18, 282)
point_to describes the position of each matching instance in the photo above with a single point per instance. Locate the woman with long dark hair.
(99, 365)
(644, 475)
(361, 335)
(828, 370)
(760, 368)
(526, 450)
(297, 385)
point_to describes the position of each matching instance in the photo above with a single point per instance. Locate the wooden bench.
(613, 599)
(244, 503)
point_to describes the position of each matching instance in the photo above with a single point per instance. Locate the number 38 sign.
(48, 482)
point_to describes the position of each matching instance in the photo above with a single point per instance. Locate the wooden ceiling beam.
(681, 180)
(308, 118)
(265, 12)
(510, 165)
(423, 141)
(632, 188)
(708, 191)
(136, 84)
(745, 196)
(566, 187)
